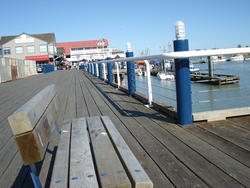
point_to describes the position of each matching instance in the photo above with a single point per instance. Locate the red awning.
(38, 58)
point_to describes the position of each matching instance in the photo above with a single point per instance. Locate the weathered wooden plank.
(10, 174)
(227, 147)
(26, 117)
(175, 170)
(139, 176)
(157, 176)
(243, 122)
(110, 170)
(60, 170)
(211, 174)
(81, 110)
(93, 110)
(7, 153)
(82, 171)
(32, 145)
(229, 132)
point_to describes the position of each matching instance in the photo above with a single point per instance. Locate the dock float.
(216, 79)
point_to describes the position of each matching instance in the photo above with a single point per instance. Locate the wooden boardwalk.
(210, 155)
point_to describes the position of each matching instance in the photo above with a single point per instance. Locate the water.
(206, 97)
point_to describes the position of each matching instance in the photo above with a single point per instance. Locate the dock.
(216, 79)
(214, 154)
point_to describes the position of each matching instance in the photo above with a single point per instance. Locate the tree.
(239, 46)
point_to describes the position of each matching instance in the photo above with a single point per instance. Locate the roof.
(81, 44)
(47, 37)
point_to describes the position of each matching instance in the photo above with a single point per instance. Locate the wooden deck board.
(171, 156)
(195, 161)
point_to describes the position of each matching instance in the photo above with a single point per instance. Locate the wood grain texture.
(61, 166)
(110, 170)
(26, 117)
(32, 145)
(135, 170)
(82, 170)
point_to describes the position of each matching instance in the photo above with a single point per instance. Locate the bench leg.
(35, 177)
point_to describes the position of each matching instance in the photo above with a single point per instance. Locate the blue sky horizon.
(146, 24)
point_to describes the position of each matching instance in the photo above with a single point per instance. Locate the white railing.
(184, 54)
(170, 55)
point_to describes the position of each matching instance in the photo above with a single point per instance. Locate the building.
(37, 47)
(89, 50)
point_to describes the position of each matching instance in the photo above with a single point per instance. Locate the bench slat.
(61, 165)
(32, 145)
(82, 171)
(110, 170)
(139, 176)
(26, 117)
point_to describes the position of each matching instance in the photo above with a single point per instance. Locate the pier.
(214, 154)
(216, 79)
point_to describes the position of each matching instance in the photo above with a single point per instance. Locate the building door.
(14, 74)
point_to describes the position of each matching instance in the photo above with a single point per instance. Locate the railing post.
(97, 69)
(104, 71)
(150, 96)
(182, 76)
(94, 69)
(100, 70)
(210, 67)
(110, 74)
(118, 74)
(130, 71)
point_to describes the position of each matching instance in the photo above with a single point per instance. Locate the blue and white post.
(110, 74)
(130, 71)
(182, 76)
(94, 68)
(100, 70)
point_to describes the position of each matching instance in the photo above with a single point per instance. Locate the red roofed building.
(88, 50)
(78, 45)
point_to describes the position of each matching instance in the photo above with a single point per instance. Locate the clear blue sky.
(145, 23)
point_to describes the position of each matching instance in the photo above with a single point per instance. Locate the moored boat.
(165, 76)
(238, 57)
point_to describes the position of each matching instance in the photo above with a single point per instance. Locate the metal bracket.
(34, 176)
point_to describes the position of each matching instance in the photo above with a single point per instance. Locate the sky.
(147, 24)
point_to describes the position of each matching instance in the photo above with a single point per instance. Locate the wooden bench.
(91, 152)
(32, 125)
(95, 154)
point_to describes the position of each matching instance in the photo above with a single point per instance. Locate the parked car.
(39, 69)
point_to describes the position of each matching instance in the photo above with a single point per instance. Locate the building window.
(19, 50)
(1, 53)
(51, 49)
(43, 48)
(6, 51)
(31, 49)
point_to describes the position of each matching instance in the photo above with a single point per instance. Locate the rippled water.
(206, 97)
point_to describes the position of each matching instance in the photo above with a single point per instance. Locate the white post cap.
(129, 47)
(180, 30)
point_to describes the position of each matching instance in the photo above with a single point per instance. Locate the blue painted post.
(110, 74)
(100, 70)
(95, 73)
(182, 76)
(130, 71)
(90, 68)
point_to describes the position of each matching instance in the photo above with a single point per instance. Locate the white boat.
(216, 59)
(193, 69)
(238, 57)
(165, 76)
(139, 72)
